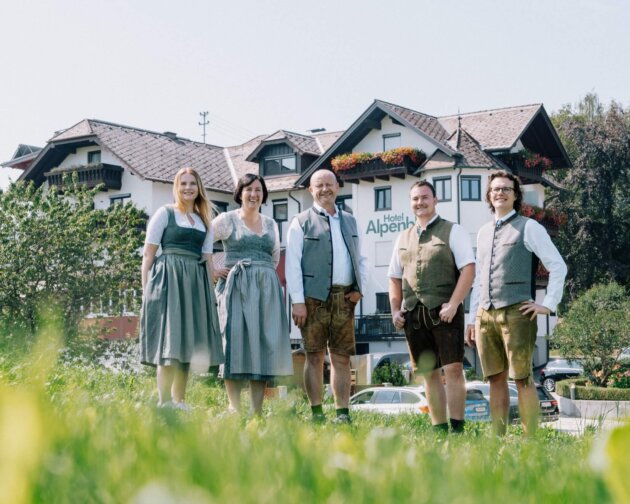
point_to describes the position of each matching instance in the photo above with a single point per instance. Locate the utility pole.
(204, 122)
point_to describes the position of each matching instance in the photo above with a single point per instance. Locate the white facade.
(379, 226)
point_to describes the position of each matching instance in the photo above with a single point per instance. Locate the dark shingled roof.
(472, 155)
(156, 156)
(494, 129)
(428, 124)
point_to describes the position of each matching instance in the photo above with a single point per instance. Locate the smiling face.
(187, 189)
(502, 196)
(324, 188)
(252, 196)
(422, 202)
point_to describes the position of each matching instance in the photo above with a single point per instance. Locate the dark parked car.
(559, 369)
(549, 411)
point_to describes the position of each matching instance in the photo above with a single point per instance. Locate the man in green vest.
(430, 273)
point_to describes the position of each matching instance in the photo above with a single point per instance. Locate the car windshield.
(474, 395)
(362, 398)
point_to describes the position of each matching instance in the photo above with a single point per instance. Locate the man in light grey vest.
(325, 274)
(430, 273)
(504, 327)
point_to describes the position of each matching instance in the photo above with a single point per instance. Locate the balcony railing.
(535, 173)
(90, 175)
(376, 328)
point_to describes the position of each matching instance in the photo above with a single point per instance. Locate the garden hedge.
(589, 393)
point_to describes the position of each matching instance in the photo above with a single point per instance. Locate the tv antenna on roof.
(204, 122)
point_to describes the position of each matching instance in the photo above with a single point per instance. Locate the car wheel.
(549, 384)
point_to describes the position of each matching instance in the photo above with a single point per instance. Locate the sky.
(258, 66)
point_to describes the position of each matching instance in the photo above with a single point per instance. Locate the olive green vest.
(429, 270)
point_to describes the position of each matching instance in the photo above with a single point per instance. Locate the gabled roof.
(481, 134)
(244, 158)
(497, 129)
(425, 125)
(471, 154)
(301, 144)
(22, 157)
(148, 154)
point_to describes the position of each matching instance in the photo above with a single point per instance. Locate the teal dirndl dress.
(179, 321)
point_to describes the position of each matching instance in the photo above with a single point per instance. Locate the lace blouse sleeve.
(221, 227)
(157, 225)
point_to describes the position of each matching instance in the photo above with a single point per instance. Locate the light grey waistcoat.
(507, 268)
(317, 253)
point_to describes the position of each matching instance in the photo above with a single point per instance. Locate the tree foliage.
(594, 240)
(57, 247)
(390, 372)
(596, 329)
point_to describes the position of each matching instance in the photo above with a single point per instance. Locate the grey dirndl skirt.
(179, 321)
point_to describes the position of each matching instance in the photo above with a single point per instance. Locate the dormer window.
(94, 157)
(279, 165)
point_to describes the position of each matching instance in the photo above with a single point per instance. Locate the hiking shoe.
(342, 419)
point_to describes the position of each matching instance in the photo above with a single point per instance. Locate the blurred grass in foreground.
(73, 431)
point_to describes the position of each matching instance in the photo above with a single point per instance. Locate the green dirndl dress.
(179, 321)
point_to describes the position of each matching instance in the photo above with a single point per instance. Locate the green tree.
(596, 201)
(596, 329)
(390, 372)
(57, 247)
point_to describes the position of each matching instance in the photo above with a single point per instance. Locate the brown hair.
(247, 180)
(424, 183)
(202, 205)
(517, 189)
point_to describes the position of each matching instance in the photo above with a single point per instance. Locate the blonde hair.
(203, 207)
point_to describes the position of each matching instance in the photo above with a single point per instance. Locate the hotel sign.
(390, 223)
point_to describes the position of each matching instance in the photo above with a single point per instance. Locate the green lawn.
(74, 431)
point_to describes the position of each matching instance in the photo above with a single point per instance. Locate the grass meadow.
(81, 426)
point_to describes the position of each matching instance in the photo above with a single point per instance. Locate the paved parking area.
(578, 426)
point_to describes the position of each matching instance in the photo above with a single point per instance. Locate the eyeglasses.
(504, 190)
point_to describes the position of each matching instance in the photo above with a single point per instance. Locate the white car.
(390, 400)
(624, 356)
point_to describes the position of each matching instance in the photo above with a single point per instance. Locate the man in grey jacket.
(504, 327)
(325, 273)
